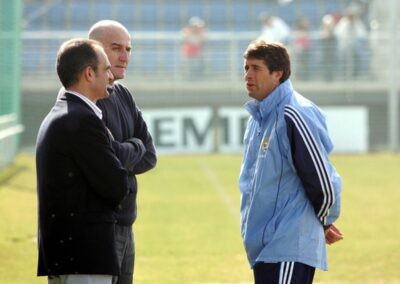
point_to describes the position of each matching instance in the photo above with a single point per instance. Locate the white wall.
(198, 130)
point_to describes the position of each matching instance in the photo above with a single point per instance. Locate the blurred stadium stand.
(156, 69)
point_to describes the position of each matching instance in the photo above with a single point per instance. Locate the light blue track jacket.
(289, 189)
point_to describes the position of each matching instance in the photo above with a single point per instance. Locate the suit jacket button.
(70, 174)
(53, 215)
(72, 214)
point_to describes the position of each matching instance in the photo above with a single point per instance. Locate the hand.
(333, 234)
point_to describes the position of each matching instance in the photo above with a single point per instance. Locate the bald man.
(132, 143)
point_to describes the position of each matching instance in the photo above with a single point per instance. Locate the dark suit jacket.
(80, 185)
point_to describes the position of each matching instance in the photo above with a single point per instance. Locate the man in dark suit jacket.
(81, 183)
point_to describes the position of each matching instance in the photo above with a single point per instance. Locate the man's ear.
(88, 73)
(278, 74)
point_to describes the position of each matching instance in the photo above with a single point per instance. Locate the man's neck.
(83, 92)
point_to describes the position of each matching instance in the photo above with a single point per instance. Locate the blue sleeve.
(310, 158)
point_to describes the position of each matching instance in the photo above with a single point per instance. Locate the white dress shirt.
(92, 105)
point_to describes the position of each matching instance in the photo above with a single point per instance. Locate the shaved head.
(116, 40)
(101, 29)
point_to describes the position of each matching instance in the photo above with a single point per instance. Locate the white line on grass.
(220, 189)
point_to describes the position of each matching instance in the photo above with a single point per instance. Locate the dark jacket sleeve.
(133, 145)
(137, 154)
(149, 159)
(93, 152)
(130, 152)
(311, 162)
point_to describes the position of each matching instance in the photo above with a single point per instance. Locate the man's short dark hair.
(274, 55)
(73, 56)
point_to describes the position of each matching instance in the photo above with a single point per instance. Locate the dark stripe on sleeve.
(309, 163)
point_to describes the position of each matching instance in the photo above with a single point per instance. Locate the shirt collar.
(261, 109)
(92, 105)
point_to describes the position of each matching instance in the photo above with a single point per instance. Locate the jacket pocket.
(268, 232)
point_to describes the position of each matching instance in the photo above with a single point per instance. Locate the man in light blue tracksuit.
(290, 192)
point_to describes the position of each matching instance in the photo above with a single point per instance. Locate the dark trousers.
(283, 273)
(126, 254)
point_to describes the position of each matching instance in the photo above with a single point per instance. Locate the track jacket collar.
(260, 110)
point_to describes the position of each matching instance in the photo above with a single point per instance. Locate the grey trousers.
(80, 279)
(126, 254)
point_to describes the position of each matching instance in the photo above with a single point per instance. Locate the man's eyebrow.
(119, 45)
(254, 65)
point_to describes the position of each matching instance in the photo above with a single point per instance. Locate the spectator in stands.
(352, 35)
(274, 29)
(328, 47)
(81, 182)
(290, 192)
(193, 35)
(132, 140)
(302, 48)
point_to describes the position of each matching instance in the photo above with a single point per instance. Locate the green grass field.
(188, 224)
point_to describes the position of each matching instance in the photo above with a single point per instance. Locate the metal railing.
(158, 54)
(9, 138)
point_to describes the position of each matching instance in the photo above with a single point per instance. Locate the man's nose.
(110, 76)
(124, 56)
(247, 75)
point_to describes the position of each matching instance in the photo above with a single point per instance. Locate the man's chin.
(119, 74)
(105, 95)
(251, 95)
